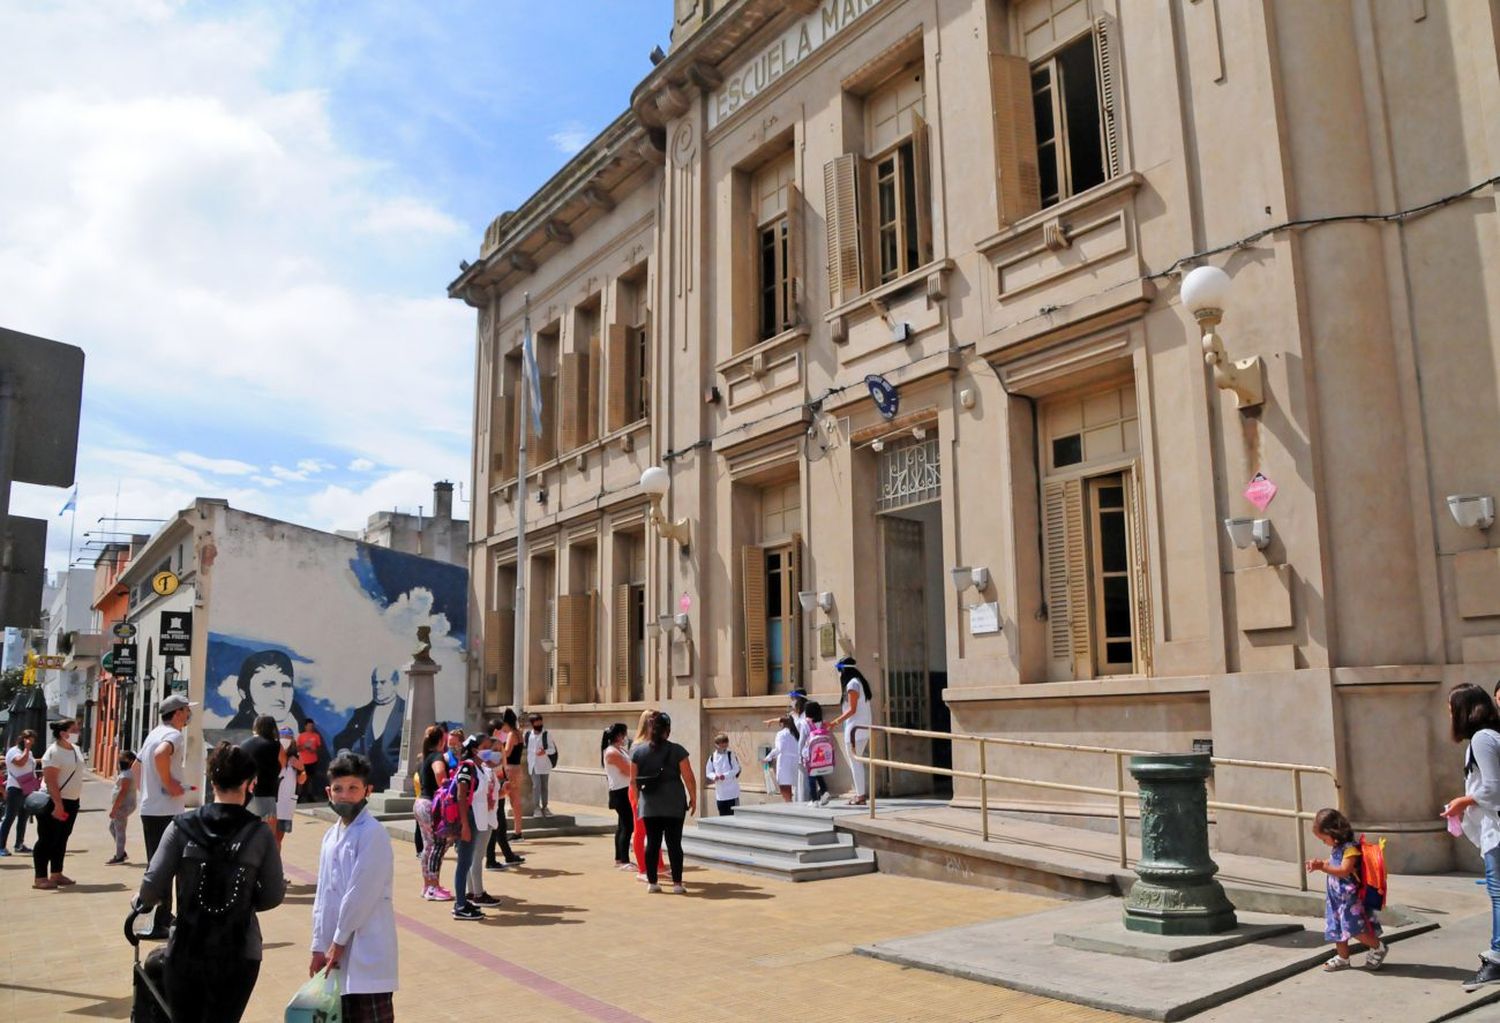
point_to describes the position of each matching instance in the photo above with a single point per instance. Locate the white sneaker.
(678, 889)
(652, 889)
(824, 800)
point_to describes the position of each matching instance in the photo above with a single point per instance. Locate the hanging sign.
(884, 394)
(1260, 491)
(176, 633)
(123, 631)
(164, 583)
(51, 662)
(122, 663)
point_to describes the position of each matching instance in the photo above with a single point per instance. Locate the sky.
(247, 215)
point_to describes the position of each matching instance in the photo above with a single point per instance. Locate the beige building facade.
(987, 209)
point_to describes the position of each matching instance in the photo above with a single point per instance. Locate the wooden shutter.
(793, 667)
(546, 445)
(921, 146)
(796, 232)
(592, 382)
(574, 400)
(1069, 644)
(753, 567)
(503, 438)
(1104, 65)
(1140, 578)
(616, 359)
(621, 641)
(841, 212)
(491, 642)
(1018, 182)
(585, 679)
(563, 651)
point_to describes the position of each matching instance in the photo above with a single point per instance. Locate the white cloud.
(286, 475)
(347, 508)
(570, 138)
(266, 481)
(361, 465)
(217, 466)
(403, 217)
(313, 466)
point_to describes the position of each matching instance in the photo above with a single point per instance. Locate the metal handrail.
(1119, 793)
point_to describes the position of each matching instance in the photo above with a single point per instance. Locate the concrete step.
(556, 826)
(777, 865)
(812, 832)
(800, 852)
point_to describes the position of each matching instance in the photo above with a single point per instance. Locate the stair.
(402, 826)
(778, 840)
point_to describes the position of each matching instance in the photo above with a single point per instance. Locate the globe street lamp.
(1205, 291)
(655, 481)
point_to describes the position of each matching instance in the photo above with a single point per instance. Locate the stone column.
(421, 709)
(1175, 892)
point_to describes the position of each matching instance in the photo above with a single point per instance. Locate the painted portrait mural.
(325, 657)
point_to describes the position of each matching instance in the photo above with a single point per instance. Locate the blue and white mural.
(319, 640)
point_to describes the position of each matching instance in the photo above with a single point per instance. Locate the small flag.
(533, 379)
(72, 504)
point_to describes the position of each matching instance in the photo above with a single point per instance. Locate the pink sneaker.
(441, 894)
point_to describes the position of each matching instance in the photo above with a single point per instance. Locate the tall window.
(1098, 599)
(629, 354)
(899, 211)
(629, 615)
(1070, 129)
(772, 576)
(774, 194)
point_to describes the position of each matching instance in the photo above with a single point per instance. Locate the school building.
(893, 292)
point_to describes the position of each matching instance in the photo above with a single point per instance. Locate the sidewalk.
(575, 940)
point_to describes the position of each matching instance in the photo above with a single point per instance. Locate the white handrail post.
(870, 767)
(984, 794)
(1120, 806)
(1301, 833)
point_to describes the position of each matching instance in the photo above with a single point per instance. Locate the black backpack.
(217, 907)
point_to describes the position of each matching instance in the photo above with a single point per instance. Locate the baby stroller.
(149, 1003)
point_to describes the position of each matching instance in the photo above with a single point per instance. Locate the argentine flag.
(533, 379)
(72, 504)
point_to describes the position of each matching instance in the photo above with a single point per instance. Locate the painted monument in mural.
(326, 658)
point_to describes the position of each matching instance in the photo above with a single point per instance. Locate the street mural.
(334, 657)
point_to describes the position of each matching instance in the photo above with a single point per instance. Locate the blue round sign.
(884, 394)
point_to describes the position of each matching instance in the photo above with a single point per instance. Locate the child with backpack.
(724, 771)
(1352, 898)
(817, 755)
(122, 805)
(786, 754)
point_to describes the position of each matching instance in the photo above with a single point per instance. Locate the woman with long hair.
(616, 763)
(20, 782)
(857, 718)
(662, 773)
(638, 826)
(226, 869)
(62, 775)
(1474, 719)
(430, 777)
(512, 752)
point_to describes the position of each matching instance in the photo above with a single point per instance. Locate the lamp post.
(1205, 291)
(656, 481)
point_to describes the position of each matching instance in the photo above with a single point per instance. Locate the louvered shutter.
(574, 402)
(1140, 577)
(564, 650)
(502, 436)
(796, 230)
(753, 566)
(546, 445)
(592, 382)
(621, 641)
(1018, 183)
(491, 663)
(841, 213)
(1104, 62)
(794, 586)
(643, 369)
(504, 646)
(585, 679)
(1067, 581)
(616, 358)
(921, 145)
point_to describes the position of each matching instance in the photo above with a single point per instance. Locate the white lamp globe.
(655, 481)
(1205, 288)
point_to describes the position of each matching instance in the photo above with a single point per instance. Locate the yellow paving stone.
(574, 941)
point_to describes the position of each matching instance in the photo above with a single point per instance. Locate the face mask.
(286, 744)
(489, 756)
(348, 811)
(73, 738)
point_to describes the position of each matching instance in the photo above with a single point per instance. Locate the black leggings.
(671, 829)
(205, 991)
(499, 841)
(619, 802)
(52, 839)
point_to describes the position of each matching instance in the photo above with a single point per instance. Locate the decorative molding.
(684, 144)
(1126, 184)
(901, 424)
(598, 198)
(875, 298)
(672, 102)
(521, 262)
(1033, 373)
(1055, 235)
(705, 76)
(559, 232)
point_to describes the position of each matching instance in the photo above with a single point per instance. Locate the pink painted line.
(539, 983)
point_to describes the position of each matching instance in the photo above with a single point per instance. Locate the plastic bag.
(320, 1000)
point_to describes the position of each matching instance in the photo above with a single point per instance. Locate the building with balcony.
(114, 699)
(982, 211)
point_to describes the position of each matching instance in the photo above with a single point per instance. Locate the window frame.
(1099, 573)
(779, 290)
(790, 618)
(1062, 131)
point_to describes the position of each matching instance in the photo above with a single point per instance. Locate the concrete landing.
(1110, 939)
(1021, 954)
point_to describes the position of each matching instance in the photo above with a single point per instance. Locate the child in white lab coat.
(724, 771)
(786, 753)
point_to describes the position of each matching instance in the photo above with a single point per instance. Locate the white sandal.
(1335, 964)
(1376, 956)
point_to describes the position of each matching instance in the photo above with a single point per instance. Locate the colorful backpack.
(1372, 872)
(447, 814)
(819, 755)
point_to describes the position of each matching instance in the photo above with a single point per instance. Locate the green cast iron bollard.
(1175, 891)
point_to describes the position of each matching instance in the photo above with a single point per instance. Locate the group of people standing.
(60, 772)
(800, 755)
(652, 790)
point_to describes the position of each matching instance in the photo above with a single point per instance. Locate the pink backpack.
(819, 756)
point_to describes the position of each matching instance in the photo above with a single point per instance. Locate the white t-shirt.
(487, 800)
(16, 776)
(69, 764)
(286, 794)
(862, 714)
(154, 799)
(617, 777)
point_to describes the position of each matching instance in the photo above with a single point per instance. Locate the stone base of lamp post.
(1175, 891)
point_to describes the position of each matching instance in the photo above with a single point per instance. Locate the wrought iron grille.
(910, 475)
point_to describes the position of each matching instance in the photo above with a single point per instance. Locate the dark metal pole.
(10, 401)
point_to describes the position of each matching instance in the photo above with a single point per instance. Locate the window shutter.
(841, 212)
(592, 380)
(621, 637)
(491, 646)
(574, 400)
(503, 437)
(1140, 578)
(1104, 62)
(616, 358)
(796, 231)
(921, 145)
(1018, 183)
(753, 566)
(1068, 639)
(564, 650)
(794, 585)
(546, 447)
(499, 660)
(585, 679)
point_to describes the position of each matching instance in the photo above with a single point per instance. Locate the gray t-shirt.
(659, 773)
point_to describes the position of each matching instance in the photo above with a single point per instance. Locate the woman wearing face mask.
(486, 799)
(226, 870)
(62, 774)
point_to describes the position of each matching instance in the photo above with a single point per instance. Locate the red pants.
(638, 836)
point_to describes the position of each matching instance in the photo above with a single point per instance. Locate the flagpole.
(72, 524)
(518, 644)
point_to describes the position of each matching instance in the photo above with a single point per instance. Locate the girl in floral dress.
(1346, 915)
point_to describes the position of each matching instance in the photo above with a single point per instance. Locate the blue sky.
(247, 215)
